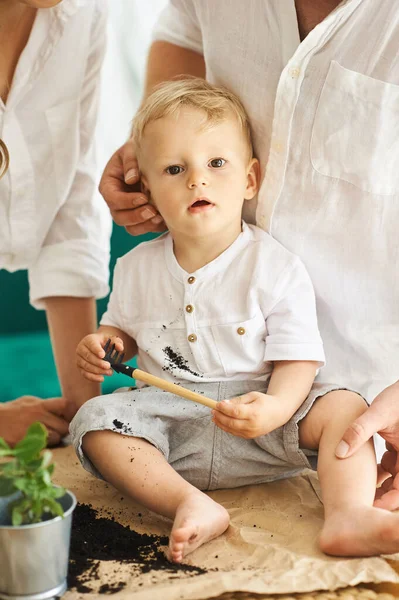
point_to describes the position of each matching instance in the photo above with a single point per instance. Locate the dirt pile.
(96, 539)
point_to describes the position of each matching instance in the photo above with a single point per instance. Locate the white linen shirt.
(325, 119)
(228, 320)
(52, 220)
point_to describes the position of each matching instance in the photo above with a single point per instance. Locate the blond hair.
(218, 103)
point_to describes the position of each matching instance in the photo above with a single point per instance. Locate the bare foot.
(362, 531)
(198, 520)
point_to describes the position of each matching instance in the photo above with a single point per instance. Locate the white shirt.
(252, 305)
(52, 220)
(325, 118)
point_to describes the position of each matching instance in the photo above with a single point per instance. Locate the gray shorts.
(202, 453)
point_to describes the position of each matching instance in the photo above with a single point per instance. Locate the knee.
(340, 407)
(340, 404)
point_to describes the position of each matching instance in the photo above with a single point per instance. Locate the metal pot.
(34, 558)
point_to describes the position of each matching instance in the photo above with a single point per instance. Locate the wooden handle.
(168, 386)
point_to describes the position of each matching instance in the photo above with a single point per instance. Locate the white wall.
(129, 37)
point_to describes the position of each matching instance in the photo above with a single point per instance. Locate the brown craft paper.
(269, 548)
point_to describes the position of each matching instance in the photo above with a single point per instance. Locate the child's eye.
(216, 163)
(174, 170)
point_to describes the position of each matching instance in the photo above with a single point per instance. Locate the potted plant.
(35, 521)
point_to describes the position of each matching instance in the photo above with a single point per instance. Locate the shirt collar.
(220, 263)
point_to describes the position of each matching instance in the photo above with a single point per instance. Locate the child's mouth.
(200, 205)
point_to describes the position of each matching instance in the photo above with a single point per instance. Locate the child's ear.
(253, 178)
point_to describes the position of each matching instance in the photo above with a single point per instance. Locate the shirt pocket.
(240, 345)
(355, 134)
(63, 124)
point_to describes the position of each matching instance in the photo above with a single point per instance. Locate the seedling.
(29, 473)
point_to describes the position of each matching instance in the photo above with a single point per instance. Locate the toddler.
(222, 308)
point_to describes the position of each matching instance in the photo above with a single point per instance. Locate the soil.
(176, 360)
(97, 539)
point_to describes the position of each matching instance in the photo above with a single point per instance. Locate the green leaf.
(4, 445)
(46, 478)
(34, 465)
(6, 486)
(58, 492)
(46, 458)
(11, 468)
(16, 516)
(33, 442)
(7, 451)
(30, 473)
(24, 485)
(54, 507)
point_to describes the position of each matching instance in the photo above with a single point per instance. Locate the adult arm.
(69, 320)
(74, 258)
(72, 267)
(381, 417)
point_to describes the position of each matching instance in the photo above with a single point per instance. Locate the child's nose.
(197, 179)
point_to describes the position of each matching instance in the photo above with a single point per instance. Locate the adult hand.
(381, 417)
(18, 415)
(120, 188)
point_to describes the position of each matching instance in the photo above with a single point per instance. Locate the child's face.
(198, 175)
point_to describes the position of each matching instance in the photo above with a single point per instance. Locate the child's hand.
(90, 353)
(250, 415)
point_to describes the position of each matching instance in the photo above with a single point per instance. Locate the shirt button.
(241, 331)
(189, 308)
(192, 337)
(191, 279)
(295, 73)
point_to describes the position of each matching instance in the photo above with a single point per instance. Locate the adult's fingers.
(137, 211)
(53, 438)
(387, 495)
(113, 186)
(55, 423)
(130, 165)
(56, 406)
(360, 431)
(147, 227)
(382, 475)
(147, 216)
(389, 462)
